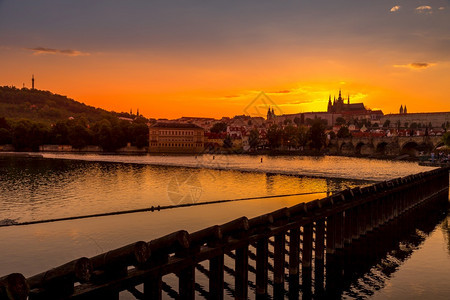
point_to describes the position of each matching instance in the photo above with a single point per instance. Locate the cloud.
(395, 8)
(424, 9)
(441, 8)
(416, 65)
(67, 52)
(280, 92)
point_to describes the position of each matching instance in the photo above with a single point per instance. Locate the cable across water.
(152, 209)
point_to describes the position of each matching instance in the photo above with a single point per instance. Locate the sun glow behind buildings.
(212, 59)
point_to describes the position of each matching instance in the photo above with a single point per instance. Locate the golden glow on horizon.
(171, 88)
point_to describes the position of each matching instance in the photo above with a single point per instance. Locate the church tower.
(32, 82)
(401, 109)
(330, 105)
(405, 111)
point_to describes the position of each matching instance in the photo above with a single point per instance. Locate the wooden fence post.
(262, 256)
(216, 269)
(241, 278)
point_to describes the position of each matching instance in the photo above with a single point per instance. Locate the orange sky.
(213, 60)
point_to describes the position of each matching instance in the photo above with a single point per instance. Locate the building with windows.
(176, 138)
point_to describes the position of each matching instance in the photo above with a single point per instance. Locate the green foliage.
(219, 127)
(60, 134)
(5, 136)
(227, 142)
(28, 135)
(344, 132)
(274, 135)
(140, 135)
(340, 121)
(253, 138)
(317, 135)
(39, 117)
(44, 106)
(446, 139)
(302, 135)
(290, 137)
(79, 136)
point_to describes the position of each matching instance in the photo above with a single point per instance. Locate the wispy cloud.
(416, 65)
(67, 52)
(280, 92)
(441, 8)
(395, 8)
(424, 9)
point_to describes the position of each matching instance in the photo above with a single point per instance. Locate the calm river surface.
(64, 185)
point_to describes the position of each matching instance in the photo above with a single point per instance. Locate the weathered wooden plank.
(307, 246)
(279, 259)
(262, 256)
(186, 283)
(241, 270)
(216, 268)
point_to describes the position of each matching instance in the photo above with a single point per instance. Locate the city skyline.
(212, 59)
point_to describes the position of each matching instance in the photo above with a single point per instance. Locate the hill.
(46, 107)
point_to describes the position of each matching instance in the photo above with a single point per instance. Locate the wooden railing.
(309, 234)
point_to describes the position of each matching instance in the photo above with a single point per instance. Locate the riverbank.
(254, 153)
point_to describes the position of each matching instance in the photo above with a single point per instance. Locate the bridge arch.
(358, 148)
(381, 148)
(411, 148)
(364, 148)
(347, 148)
(438, 144)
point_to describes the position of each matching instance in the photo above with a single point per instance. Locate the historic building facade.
(436, 119)
(336, 108)
(176, 138)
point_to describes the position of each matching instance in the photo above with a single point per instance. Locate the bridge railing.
(286, 242)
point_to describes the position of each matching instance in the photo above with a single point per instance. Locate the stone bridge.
(390, 146)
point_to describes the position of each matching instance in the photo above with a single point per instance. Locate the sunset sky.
(173, 58)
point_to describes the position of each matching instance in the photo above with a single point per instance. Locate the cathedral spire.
(330, 106)
(405, 111)
(348, 99)
(32, 82)
(401, 109)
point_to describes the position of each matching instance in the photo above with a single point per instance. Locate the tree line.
(109, 133)
(292, 136)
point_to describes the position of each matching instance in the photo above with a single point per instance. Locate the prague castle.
(338, 106)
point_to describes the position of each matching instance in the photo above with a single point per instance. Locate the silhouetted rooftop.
(175, 125)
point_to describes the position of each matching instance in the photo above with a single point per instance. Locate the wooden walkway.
(292, 243)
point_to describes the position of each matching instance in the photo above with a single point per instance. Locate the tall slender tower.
(32, 82)
(330, 105)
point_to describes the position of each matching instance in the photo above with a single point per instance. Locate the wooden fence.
(300, 240)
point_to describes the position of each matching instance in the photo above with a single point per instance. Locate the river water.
(66, 185)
